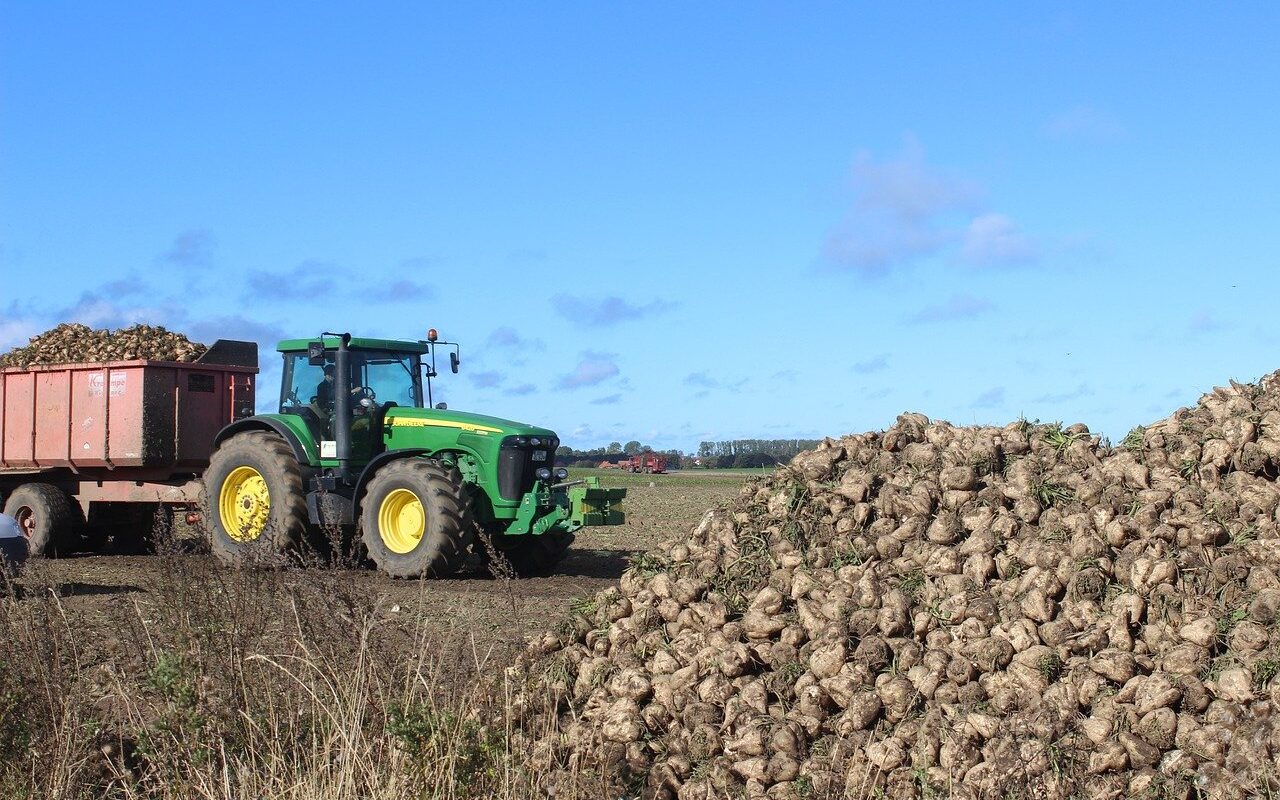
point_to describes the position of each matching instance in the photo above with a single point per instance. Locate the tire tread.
(291, 498)
(67, 519)
(450, 512)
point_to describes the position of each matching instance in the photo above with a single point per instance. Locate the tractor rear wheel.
(416, 519)
(255, 498)
(48, 517)
(528, 555)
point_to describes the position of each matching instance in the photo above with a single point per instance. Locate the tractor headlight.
(535, 442)
(543, 474)
(521, 441)
(562, 473)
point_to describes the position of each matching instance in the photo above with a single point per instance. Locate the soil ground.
(499, 614)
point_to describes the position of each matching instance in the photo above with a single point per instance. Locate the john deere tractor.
(358, 446)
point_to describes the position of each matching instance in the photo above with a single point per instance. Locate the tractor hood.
(462, 422)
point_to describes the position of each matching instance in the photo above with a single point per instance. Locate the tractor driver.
(324, 392)
(324, 398)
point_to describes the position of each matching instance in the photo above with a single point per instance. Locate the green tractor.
(357, 445)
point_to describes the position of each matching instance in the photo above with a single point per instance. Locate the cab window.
(393, 377)
(302, 382)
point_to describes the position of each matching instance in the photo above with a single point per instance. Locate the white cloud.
(97, 311)
(191, 249)
(508, 337)
(899, 212)
(485, 380)
(906, 188)
(309, 280)
(504, 337)
(958, 306)
(605, 311)
(16, 332)
(871, 365)
(235, 326)
(995, 239)
(991, 398)
(593, 368)
(1204, 322)
(905, 210)
(405, 290)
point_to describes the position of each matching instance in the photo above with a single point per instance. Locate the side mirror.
(453, 362)
(315, 354)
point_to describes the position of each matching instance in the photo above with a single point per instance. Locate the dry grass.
(172, 677)
(246, 683)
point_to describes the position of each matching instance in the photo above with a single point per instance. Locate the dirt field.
(500, 613)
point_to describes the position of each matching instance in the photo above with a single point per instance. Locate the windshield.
(392, 378)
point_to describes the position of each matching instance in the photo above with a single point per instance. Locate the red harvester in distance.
(649, 463)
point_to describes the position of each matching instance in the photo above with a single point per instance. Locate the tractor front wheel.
(416, 519)
(255, 497)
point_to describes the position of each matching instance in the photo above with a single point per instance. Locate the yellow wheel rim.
(244, 504)
(401, 521)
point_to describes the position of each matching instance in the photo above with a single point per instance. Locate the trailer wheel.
(416, 519)
(529, 555)
(47, 516)
(255, 498)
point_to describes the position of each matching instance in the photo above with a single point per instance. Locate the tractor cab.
(378, 375)
(375, 375)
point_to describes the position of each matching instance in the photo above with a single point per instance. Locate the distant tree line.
(782, 450)
(735, 453)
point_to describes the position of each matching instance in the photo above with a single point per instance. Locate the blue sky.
(671, 222)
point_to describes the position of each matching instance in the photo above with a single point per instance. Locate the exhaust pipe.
(342, 403)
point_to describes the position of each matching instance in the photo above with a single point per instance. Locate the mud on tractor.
(357, 443)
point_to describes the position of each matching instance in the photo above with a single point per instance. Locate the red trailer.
(107, 443)
(651, 463)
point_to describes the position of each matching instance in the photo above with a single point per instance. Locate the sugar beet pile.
(73, 343)
(937, 610)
